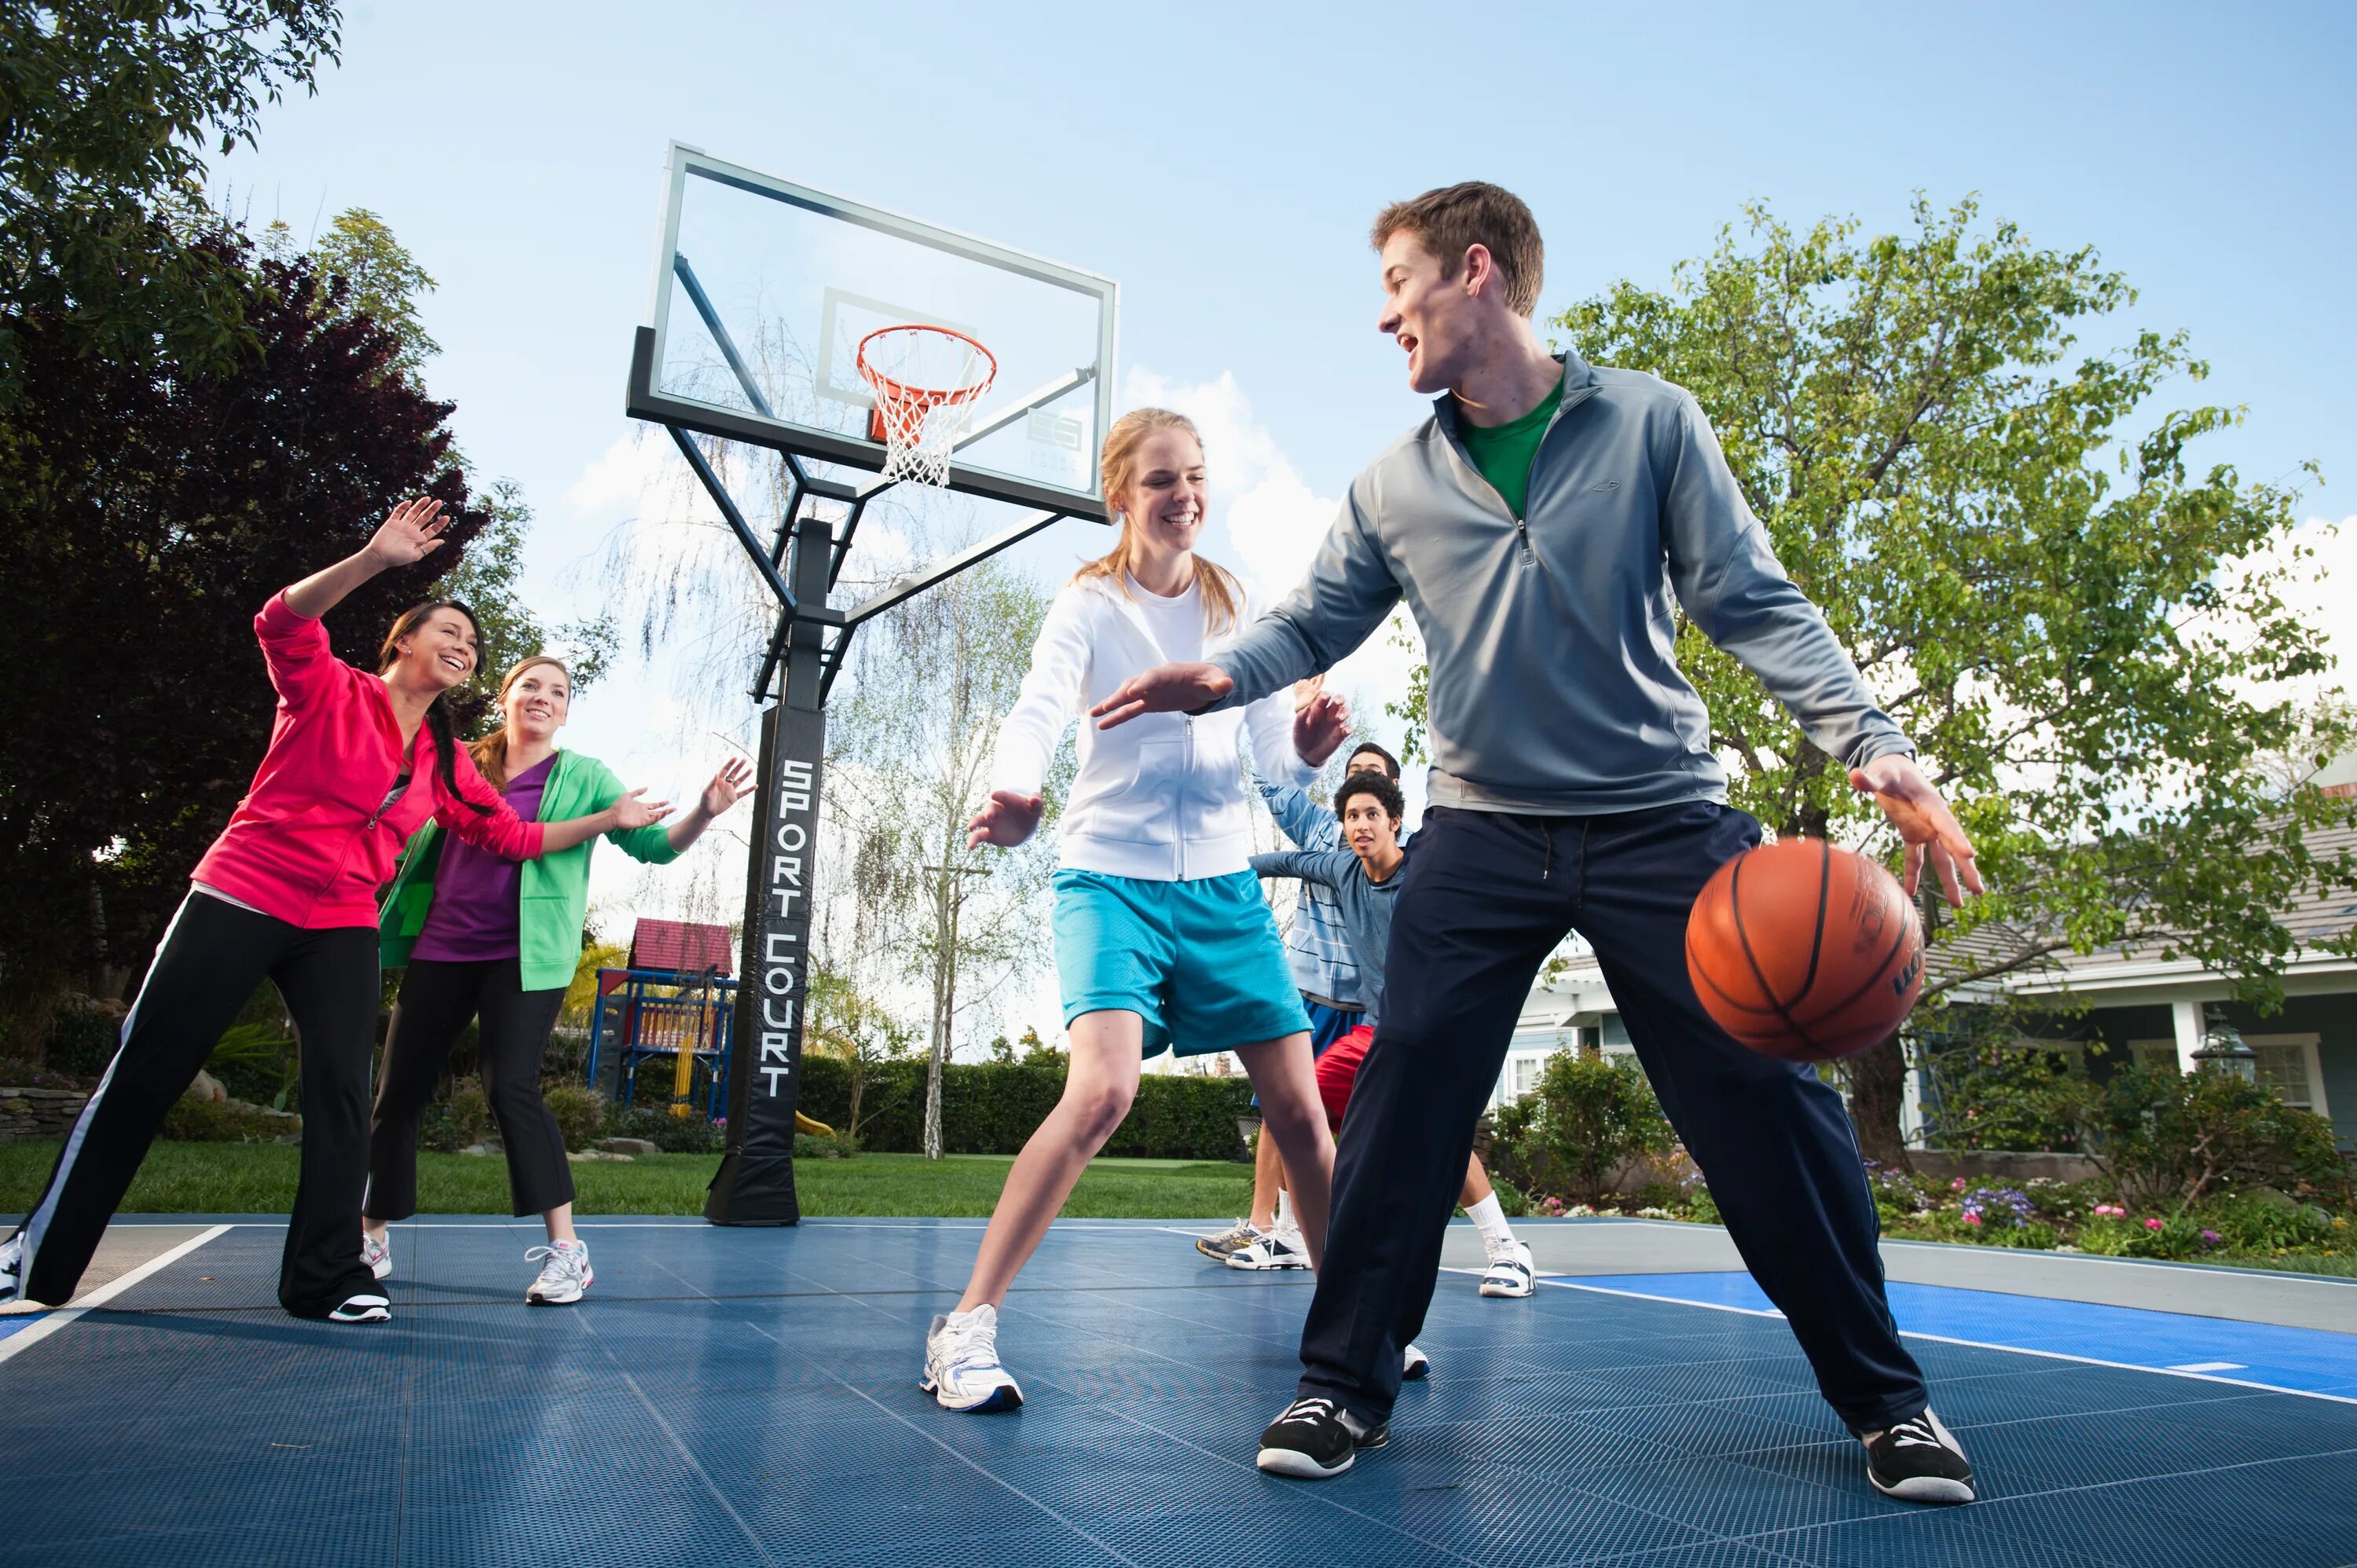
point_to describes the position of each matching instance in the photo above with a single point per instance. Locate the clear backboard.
(764, 289)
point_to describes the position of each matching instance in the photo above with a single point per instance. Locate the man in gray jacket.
(1537, 526)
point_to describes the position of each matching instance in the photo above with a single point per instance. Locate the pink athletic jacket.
(315, 839)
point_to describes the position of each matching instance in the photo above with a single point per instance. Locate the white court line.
(103, 1293)
(1973, 1344)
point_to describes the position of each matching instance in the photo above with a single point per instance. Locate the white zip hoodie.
(1162, 797)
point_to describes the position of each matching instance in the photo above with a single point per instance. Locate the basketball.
(1805, 951)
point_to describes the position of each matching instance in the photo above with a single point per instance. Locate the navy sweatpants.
(1487, 898)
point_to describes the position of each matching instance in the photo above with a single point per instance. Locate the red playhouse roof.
(681, 947)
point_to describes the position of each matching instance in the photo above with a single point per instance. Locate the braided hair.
(437, 713)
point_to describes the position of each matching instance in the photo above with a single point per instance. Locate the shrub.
(671, 1134)
(1510, 1196)
(258, 1063)
(209, 1122)
(2167, 1138)
(993, 1108)
(83, 1035)
(1995, 1096)
(811, 1146)
(463, 1121)
(580, 1114)
(1587, 1117)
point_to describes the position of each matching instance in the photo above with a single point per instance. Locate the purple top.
(473, 916)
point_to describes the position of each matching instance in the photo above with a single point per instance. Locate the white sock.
(1489, 1219)
(1285, 1219)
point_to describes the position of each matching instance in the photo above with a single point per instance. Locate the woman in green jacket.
(497, 941)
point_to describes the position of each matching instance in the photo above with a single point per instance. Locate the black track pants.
(437, 1001)
(1487, 896)
(212, 956)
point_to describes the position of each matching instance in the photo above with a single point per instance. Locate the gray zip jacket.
(1555, 684)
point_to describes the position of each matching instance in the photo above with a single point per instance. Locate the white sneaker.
(1511, 1271)
(1282, 1248)
(961, 1370)
(564, 1278)
(362, 1309)
(377, 1255)
(1414, 1365)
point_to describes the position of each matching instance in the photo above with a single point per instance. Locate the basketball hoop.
(926, 381)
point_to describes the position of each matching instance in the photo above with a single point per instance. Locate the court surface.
(749, 1397)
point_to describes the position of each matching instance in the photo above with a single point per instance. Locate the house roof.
(681, 947)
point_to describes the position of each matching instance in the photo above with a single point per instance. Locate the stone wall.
(39, 1112)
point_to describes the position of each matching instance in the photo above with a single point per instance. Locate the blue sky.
(1222, 163)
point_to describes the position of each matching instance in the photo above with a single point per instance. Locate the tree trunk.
(945, 912)
(1877, 1092)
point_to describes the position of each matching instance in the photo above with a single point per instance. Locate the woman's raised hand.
(629, 812)
(1321, 725)
(413, 532)
(1005, 818)
(728, 786)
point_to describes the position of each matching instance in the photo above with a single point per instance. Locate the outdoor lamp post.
(2222, 1046)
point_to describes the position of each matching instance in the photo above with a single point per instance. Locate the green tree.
(105, 113)
(2017, 548)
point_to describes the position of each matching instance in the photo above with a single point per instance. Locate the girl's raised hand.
(629, 812)
(1006, 819)
(413, 532)
(730, 785)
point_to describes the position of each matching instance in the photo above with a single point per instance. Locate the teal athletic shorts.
(1200, 961)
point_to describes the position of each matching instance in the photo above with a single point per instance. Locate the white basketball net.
(926, 381)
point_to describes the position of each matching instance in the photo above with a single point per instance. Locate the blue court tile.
(2309, 1360)
(748, 1397)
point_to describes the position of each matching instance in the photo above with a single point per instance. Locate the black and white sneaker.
(362, 1309)
(1234, 1239)
(1316, 1438)
(1414, 1365)
(1918, 1461)
(1282, 1248)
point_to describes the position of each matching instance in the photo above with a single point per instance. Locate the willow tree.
(908, 748)
(2012, 535)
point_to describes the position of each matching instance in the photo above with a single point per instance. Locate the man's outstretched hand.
(1006, 818)
(1165, 689)
(1923, 821)
(1320, 725)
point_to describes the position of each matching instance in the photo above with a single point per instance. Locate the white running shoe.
(961, 1370)
(362, 1309)
(1282, 1248)
(1414, 1365)
(377, 1255)
(1512, 1273)
(564, 1277)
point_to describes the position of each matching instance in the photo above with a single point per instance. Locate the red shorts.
(1337, 1069)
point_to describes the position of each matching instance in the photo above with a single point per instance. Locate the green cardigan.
(556, 894)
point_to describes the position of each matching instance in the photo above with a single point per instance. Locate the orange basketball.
(1805, 951)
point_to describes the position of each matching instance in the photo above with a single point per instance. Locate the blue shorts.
(1199, 963)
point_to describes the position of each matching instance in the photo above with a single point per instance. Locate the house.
(2142, 1004)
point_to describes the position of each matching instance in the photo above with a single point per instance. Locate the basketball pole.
(755, 1184)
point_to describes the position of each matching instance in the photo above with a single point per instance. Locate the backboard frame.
(672, 276)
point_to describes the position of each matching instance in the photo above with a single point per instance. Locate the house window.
(1615, 1033)
(1522, 1076)
(2287, 1065)
(2155, 1053)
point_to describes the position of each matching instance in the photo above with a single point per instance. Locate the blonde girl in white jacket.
(1162, 939)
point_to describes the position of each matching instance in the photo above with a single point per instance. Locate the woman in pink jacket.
(289, 892)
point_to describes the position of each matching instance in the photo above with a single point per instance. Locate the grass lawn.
(259, 1179)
